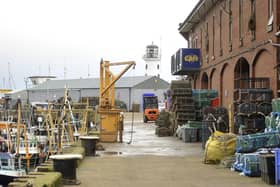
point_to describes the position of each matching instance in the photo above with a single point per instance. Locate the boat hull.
(7, 176)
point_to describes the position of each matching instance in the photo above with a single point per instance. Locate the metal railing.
(248, 83)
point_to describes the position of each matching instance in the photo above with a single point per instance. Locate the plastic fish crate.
(252, 165)
(238, 164)
(252, 142)
(190, 134)
(205, 93)
(276, 105)
(195, 124)
(201, 103)
(267, 167)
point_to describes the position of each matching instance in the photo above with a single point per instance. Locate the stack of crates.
(252, 96)
(192, 131)
(182, 101)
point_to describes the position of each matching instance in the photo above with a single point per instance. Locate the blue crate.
(252, 142)
(277, 166)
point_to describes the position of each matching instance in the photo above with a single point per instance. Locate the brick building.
(238, 41)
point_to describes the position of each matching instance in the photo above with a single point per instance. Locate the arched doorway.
(213, 82)
(204, 81)
(195, 80)
(263, 69)
(241, 73)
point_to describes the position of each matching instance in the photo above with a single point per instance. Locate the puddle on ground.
(113, 153)
(130, 131)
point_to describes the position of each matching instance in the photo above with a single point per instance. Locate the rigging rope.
(132, 115)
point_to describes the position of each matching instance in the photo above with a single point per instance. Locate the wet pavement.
(141, 140)
(153, 161)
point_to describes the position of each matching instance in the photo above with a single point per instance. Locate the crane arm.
(115, 78)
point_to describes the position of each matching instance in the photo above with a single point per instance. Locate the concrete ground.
(154, 161)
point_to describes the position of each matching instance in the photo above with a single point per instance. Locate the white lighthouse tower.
(152, 60)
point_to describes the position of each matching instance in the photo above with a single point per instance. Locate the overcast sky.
(48, 37)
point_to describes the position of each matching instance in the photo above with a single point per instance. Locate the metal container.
(66, 165)
(185, 61)
(89, 144)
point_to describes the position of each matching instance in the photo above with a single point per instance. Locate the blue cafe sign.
(190, 58)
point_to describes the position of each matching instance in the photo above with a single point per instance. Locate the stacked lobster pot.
(164, 125)
(215, 119)
(182, 102)
(252, 102)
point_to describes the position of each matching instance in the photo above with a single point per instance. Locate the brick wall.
(220, 61)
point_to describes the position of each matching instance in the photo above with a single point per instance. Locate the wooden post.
(231, 125)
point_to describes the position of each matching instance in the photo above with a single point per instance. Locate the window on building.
(240, 22)
(252, 20)
(146, 66)
(270, 16)
(201, 32)
(207, 39)
(158, 66)
(201, 35)
(214, 40)
(230, 24)
(221, 43)
(206, 42)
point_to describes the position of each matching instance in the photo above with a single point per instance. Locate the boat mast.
(18, 128)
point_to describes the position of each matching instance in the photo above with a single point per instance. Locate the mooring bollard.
(89, 143)
(66, 165)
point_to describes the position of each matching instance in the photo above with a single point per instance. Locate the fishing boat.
(10, 164)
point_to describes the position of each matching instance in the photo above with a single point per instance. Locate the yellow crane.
(109, 114)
